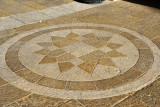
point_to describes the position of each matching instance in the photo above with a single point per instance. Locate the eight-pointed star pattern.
(54, 51)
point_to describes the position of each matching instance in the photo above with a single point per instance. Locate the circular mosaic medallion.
(79, 61)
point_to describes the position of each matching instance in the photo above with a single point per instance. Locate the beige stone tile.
(35, 5)
(65, 57)
(90, 40)
(128, 36)
(45, 44)
(75, 74)
(104, 102)
(88, 67)
(35, 100)
(49, 82)
(150, 95)
(56, 38)
(64, 66)
(99, 54)
(29, 75)
(56, 52)
(9, 94)
(86, 85)
(104, 38)
(72, 103)
(48, 59)
(89, 58)
(132, 102)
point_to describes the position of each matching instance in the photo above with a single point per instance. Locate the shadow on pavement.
(90, 1)
(151, 3)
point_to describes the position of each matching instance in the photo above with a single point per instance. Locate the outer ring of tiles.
(137, 84)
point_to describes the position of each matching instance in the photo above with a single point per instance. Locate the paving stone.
(40, 101)
(9, 94)
(131, 102)
(13, 105)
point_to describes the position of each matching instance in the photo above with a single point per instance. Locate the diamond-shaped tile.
(90, 41)
(65, 57)
(56, 52)
(98, 53)
(72, 35)
(88, 67)
(45, 44)
(64, 66)
(99, 44)
(114, 45)
(104, 38)
(47, 60)
(56, 38)
(89, 58)
(43, 52)
(107, 62)
(90, 35)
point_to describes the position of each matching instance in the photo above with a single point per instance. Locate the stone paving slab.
(109, 58)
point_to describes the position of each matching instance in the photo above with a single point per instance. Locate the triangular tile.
(47, 60)
(64, 66)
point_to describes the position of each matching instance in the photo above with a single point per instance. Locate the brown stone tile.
(4, 14)
(12, 105)
(114, 45)
(128, 36)
(31, 26)
(90, 40)
(131, 102)
(72, 35)
(65, 57)
(90, 35)
(72, 103)
(56, 38)
(49, 82)
(64, 66)
(29, 75)
(43, 52)
(2, 82)
(15, 65)
(140, 44)
(146, 54)
(56, 52)
(9, 94)
(107, 62)
(35, 5)
(128, 76)
(150, 94)
(99, 44)
(48, 59)
(87, 85)
(45, 44)
(35, 100)
(104, 102)
(151, 32)
(67, 42)
(88, 67)
(89, 58)
(157, 41)
(143, 64)
(8, 33)
(114, 53)
(98, 54)
(104, 38)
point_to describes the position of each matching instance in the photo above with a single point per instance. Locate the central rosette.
(82, 51)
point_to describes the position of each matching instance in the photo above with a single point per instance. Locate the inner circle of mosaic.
(84, 58)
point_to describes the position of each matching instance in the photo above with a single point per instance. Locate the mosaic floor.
(67, 54)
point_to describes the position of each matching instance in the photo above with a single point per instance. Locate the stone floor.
(61, 53)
